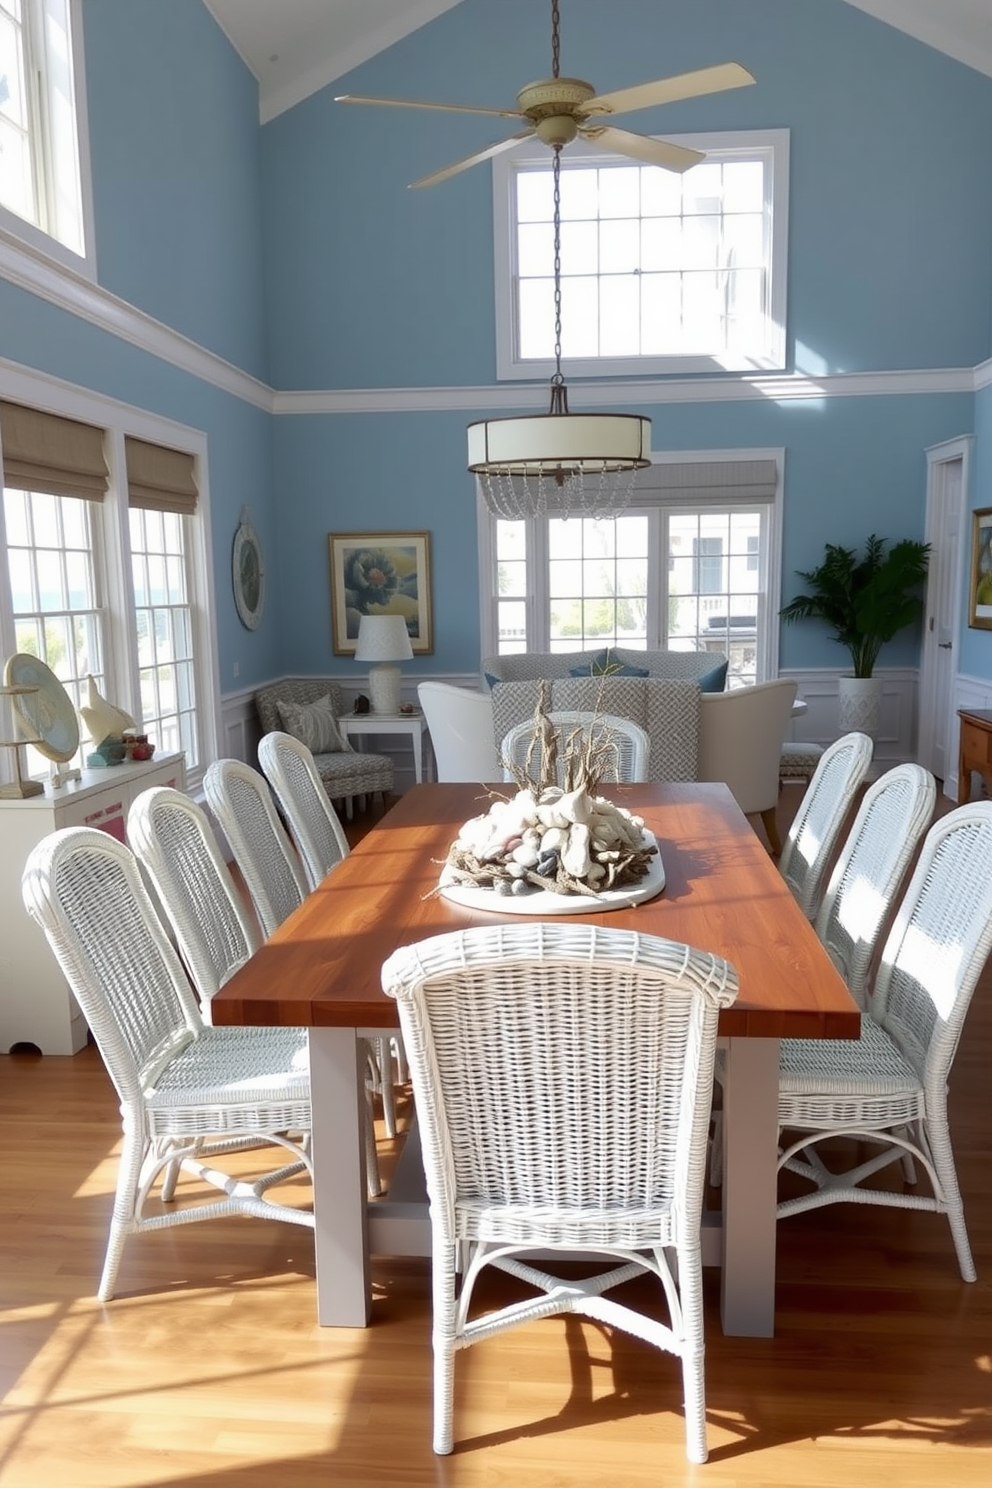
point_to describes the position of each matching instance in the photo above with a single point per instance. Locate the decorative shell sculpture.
(563, 838)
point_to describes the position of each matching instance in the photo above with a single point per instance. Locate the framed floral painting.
(381, 573)
(980, 606)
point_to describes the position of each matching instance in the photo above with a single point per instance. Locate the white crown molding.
(70, 291)
(776, 388)
(79, 296)
(983, 375)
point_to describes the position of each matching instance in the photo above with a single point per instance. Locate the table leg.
(750, 1186)
(341, 1240)
(417, 739)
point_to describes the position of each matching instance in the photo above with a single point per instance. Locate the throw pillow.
(491, 679)
(716, 680)
(314, 724)
(605, 664)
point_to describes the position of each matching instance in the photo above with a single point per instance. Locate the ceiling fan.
(559, 109)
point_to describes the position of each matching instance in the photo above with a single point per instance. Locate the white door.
(946, 489)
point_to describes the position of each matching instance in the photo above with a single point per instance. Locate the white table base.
(349, 1228)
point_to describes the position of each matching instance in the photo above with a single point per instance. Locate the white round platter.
(542, 902)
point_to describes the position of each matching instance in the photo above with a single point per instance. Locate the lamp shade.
(383, 638)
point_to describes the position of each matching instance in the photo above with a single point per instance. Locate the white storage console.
(36, 1006)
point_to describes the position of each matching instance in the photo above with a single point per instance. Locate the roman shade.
(160, 479)
(45, 452)
(705, 482)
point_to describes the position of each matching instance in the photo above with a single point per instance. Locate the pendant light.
(558, 463)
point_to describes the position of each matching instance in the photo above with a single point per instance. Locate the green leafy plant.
(865, 599)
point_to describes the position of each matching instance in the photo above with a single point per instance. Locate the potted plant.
(866, 599)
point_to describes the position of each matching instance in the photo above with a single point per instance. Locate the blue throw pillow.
(714, 681)
(491, 679)
(605, 664)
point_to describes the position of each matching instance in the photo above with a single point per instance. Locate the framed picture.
(980, 600)
(381, 573)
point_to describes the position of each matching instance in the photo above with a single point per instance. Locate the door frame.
(939, 457)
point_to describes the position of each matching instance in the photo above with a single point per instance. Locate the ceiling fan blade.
(653, 151)
(669, 90)
(447, 108)
(470, 160)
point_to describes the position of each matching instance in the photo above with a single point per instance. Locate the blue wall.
(295, 252)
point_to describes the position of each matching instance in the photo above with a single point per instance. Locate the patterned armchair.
(345, 772)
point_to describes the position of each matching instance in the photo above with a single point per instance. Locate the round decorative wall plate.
(48, 714)
(248, 573)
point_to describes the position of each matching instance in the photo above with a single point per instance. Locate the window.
(660, 272)
(164, 629)
(57, 601)
(105, 545)
(41, 109)
(674, 571)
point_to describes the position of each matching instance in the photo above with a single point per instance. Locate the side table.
(359, 725)
(975, 750)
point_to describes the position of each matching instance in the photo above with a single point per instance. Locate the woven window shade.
(45, 452)
(160, 479)
(705, 483)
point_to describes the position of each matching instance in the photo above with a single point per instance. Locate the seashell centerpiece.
(556, 835)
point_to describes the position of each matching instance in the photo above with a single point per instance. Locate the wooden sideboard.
(36, 1006)
(975, 750)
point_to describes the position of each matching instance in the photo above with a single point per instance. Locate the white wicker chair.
(625, 744)
(820, 819)
(171, 838)
(563, 1077)
(889, 1087)
(289, 768)
(291, 771)
(188, 1092)
(866, 877)
(240, 799)
(892, 818)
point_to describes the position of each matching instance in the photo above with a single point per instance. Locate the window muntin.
(41, 124)
(660, 272)
(164, 629)
(59, 607)
(673, 578)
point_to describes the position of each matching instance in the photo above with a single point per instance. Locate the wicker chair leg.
(444, 1352)
(122, 1220)
(693, 1380)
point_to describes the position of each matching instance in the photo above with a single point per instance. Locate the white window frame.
(538, 603)
(771, 144)
(18, 231)
(110, 517)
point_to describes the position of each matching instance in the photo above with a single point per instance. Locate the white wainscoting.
(896, 742)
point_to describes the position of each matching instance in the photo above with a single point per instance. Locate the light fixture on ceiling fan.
(560, 462)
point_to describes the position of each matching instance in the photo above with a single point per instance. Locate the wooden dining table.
(722, 893)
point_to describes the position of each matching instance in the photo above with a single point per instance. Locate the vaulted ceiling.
(295, 47)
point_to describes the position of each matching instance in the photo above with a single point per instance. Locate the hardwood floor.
(209, 1368)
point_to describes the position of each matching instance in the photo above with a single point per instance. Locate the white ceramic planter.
(860, 705)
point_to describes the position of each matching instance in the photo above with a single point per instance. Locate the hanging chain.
(555, 49)
(558, 378)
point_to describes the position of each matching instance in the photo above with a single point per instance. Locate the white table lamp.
(383, 641)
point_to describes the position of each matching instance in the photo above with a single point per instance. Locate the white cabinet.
(36, 1006)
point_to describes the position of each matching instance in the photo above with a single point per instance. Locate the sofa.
(346, 773)
(667, 709)
(708, 669)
